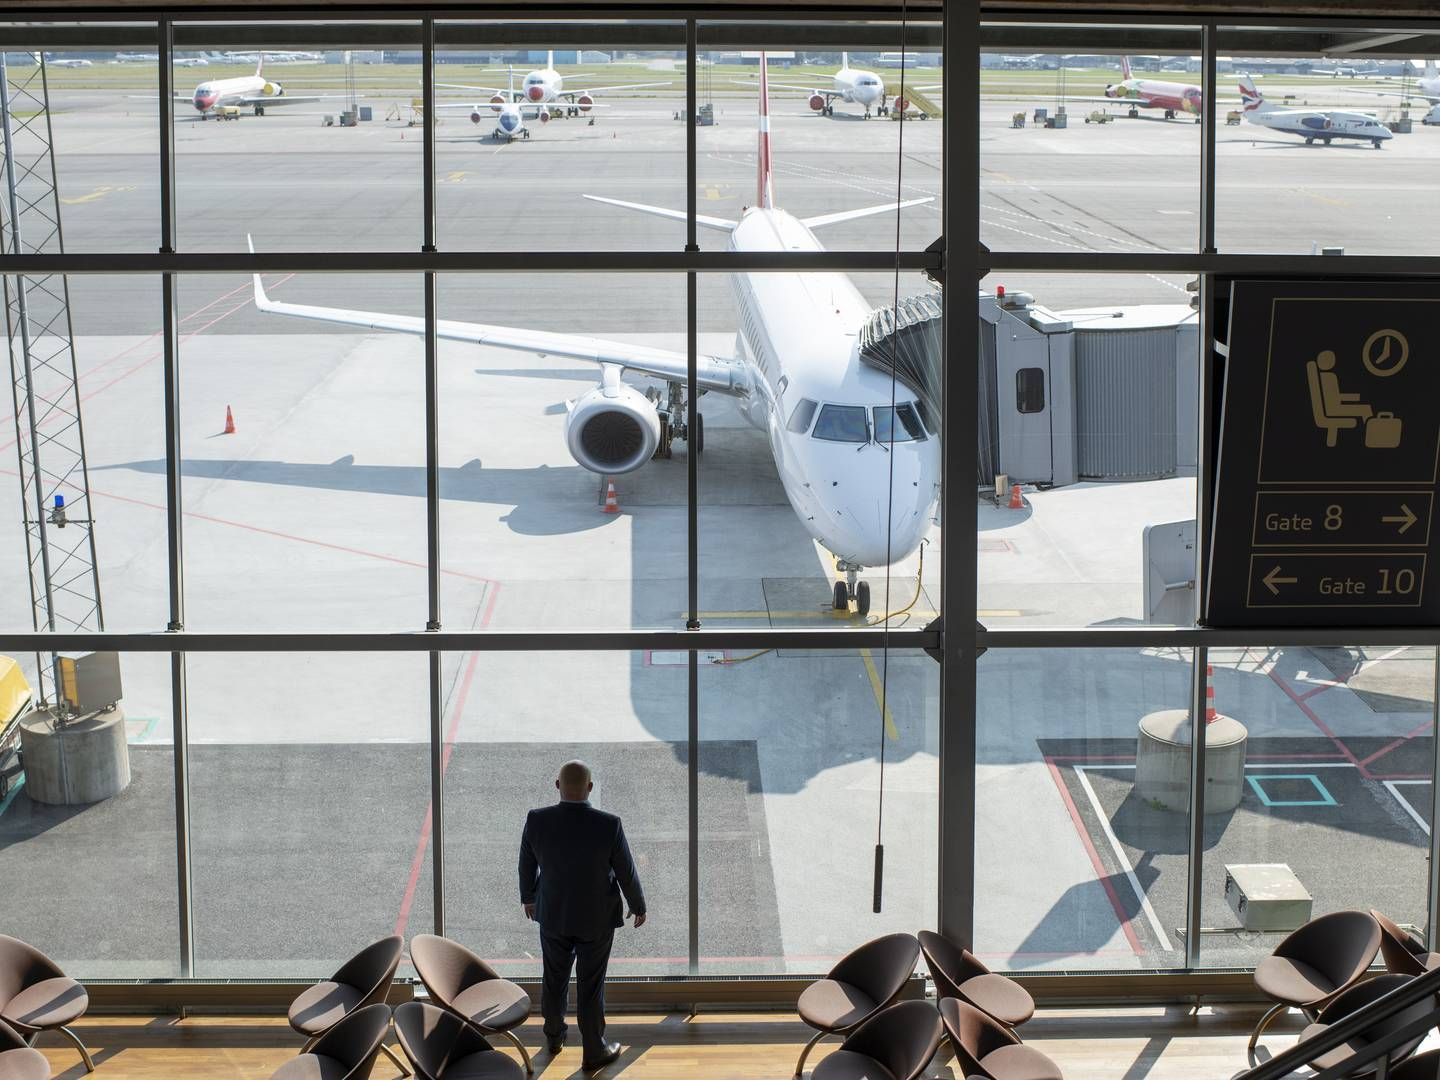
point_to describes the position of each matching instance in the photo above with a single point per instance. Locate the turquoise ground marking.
(1325, 799)
(11, 797)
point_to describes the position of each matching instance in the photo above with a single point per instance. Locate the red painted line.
(1365, 666)
(1397, 743)
(1100, 870)
(1344, 750)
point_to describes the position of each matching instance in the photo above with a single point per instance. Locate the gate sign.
(1325, 481)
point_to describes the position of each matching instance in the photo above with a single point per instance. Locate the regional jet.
(850, 85)
(1311, 124)
(1172, 97)
(246, 91)
(546, 86)
(856, 451)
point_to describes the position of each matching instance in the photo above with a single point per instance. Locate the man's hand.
(639, 919)
(530, 912)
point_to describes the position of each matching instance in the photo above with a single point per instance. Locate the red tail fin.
(764, 185)
(1124, 67)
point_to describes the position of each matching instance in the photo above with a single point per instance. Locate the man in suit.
(574, 866)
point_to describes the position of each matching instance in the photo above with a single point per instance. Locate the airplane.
(509, 107)
(1311, 124)
(246, 90)
(1173, 97)
(856, 451)
(1428, 87)
(190, 61)
(546, 86)
(1351, 70)
(137, 58)
(68, 63)
(851, 85)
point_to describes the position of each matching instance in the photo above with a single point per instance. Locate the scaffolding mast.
(49, 435)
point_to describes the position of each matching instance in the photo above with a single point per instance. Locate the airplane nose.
(509, 121)
(535, 92)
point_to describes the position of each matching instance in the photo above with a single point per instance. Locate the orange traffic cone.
(229, 422)
(1210, 713)
(612, 504)
(1016, 503)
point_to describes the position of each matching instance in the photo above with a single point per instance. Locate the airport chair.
(987, 1050)
(346, 1052)
(897, 1043)
(1357, 997)
(36, 996)
(363, 980)
(17, 1060)
(1315, 963)
(1424, 1066)
(440, 1044)
(1403, 954)
(860, 985)
(959, 973)
(461, 983)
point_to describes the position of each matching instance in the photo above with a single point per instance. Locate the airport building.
(409, 399)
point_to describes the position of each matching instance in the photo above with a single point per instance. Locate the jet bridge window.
(1030, 390)
(800, 418)
(909, 429)
(843, 423)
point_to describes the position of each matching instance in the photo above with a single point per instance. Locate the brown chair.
(1424, 1066)
(362, 980)
(897, 1043)
(1354, 999)
(1315, 963)
(36, 996)
(988, 1050)
(1403, 954)
(959, 973)
(440, 1044)
(462, 983)
(860, 985)
(346, 1052)
(17, 1060)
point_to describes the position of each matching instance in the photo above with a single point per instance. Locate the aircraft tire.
(1326, 141)
(841, 600)
(862, 598)
(259, 110)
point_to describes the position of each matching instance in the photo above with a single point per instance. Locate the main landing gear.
(673, 424)
(852, 588)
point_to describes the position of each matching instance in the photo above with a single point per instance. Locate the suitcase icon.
(1382, 431)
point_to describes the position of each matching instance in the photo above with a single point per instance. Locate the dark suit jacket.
(574, 865)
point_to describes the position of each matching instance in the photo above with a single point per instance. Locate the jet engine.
(612, 429)
(584, 101)
(901, 104)
(273, 89)
(495, 103)
(544, 116)
(817, 101)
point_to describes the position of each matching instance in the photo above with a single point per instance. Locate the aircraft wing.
(482, 89)
(752, 84)
(607, 89)
(713, 372)
(1432, 99)
(266, 100)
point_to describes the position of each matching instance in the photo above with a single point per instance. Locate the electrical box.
(89, 683)
(1267, 896)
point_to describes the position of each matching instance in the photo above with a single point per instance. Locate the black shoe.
(607, 1055)
(555, 1043)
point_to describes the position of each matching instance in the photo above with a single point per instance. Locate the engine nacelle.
(612, 429)
(273, 89)
(495, 103)
(475, 117)
(544, 116)
(901, 104)
(584, 101)
(817, 101)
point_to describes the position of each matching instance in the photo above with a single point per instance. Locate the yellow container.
(15, 693)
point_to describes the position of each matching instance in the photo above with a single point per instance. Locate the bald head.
(574, 783)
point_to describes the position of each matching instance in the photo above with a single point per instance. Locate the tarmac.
(310, 802)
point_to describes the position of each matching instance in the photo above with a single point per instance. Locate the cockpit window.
(843, 423)
(926, 418)
(800, 418)
(909, 429)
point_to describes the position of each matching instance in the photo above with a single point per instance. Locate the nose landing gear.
(852, 588)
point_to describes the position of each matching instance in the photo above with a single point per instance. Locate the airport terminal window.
(801, 416)
(843, 423)
(1030, 390)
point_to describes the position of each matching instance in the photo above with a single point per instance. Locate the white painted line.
(1300, 765)
(1115, 847)
(1394, 785)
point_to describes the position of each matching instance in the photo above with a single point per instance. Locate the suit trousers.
(590, 958)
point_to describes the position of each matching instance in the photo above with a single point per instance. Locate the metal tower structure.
(49, 435)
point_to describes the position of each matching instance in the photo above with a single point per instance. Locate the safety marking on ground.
(98, 193)
(457, 177)
(1119, 852)
(878, 686)
(5, 803)
(1325, 798)
(1394, 788)
(146, 725)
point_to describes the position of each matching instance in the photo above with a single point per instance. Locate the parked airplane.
(191, 61)
(1427, 87)
(137, 58)
(68, 63)
(1173, 97)
(857, 454)
(509, 108)
(1353, 71)
(546, 86)
(1311, 124)
(850, 85)
(246, 91)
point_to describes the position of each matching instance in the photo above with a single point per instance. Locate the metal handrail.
(1341, 1032)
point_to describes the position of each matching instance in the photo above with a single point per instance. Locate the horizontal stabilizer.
(721, 224)
(865, 211)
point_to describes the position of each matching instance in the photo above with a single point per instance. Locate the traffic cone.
(612, 504)
(229, 422)
(1016, 503)
(1210, 714)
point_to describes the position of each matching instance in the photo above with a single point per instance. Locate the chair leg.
(404, 1069)
(309, 1043)
(800, 1065)
(529, 1069)
(1275, 1010)
(84, 1053)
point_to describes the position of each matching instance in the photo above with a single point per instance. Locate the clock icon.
(1385, 352)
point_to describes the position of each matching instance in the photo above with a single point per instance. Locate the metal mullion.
(427, 138)
(1187, 637)
(1237, 263)
(166, 89)
(1209, 80)
(1432, 929)
(692, 507)
(1199, 661)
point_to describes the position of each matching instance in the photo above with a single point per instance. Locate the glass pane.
(1327, 796)
(315, 157)
(794, 746)
(304, 448)
(1318, 152)
(534, 119)
(621, 713)
(88, 861)
(1085, 148)
(309, 808)
(1102, 527)
(1082, 781)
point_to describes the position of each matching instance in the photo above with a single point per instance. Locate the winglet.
(261, 300)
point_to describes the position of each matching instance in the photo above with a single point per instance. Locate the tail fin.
(844, 60)
(259, 63)
(1430, 71)
(550, 60)
(1253, 100)
(764, 185)
(1124, 67)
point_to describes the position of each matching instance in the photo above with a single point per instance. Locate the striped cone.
(1210, 714)
(1016, 502)
(612, 504)
(229, 422)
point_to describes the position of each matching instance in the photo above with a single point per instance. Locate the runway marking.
(98, 193)
(457, 177)
(1119, 852)
(878, 687)
(1393, 786)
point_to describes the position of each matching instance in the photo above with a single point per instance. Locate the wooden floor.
(1088, 1044)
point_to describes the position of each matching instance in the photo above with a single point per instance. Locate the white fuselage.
(221, 92)
(542, 85)
(1310, 124)
(867, 501)
(859, 87)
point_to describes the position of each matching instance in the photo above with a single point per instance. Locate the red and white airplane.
(248, 91)
(856, 451)
(546, 86)
(1174, 98)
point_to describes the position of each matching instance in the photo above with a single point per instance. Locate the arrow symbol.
(1271, 580)
(1404, 519)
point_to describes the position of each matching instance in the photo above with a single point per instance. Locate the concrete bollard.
(1162, 761)
(80, 762)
